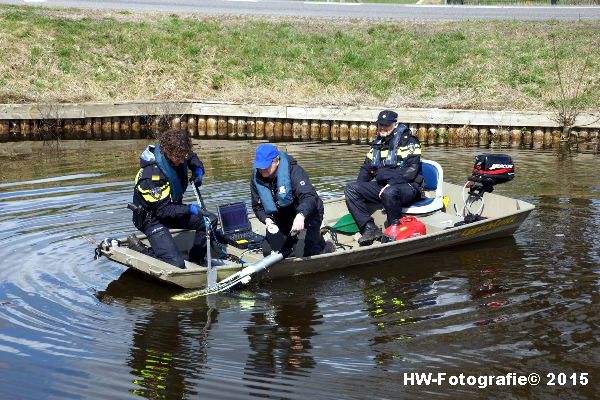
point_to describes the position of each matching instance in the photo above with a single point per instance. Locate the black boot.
(370, 233)
(136, 244)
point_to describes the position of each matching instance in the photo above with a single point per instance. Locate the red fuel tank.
(404, 228)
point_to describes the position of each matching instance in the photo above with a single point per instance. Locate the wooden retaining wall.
(137, 120)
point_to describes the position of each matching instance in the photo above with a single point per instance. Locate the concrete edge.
(350, 113)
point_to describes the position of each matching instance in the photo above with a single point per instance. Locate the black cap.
(387, 117)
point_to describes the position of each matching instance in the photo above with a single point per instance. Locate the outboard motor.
(489, 170)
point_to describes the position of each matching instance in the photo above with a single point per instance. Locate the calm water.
(74, 328)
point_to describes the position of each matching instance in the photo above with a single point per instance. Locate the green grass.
(74, 56)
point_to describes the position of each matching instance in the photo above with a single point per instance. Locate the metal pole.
(211, 271)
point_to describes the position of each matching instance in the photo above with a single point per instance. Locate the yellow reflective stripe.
(138, 175)
(406, 151)
(156, 194)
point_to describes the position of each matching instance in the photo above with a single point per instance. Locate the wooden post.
(35, 129)
(325, 131)
(126, 127)
(483, 136)
(88, 128)
(192, 126)
(556, 135)
(116, 127)
(183, 122)
(344, 132)
(278, 130)
(175, 122)
(547, 137)
(363, 132)
(260, 128)
(270, 129)
(314, 130)
(504, 137)
(241, 128)
(371, 132)
(431, 135)
(538, 137)
(106, 128)
(414, 129)
(527, 138)
(211, 127)
(251, 128)
(452, 135)
(305, 130)
(443, 135)
(202, 130)
(287, 130)
(155, 125)
(221, 127)
(4, 130)
(515, 137)
(297, 130)
(354, 136)
(78, 132)
(26, 129)
(472, 136)
(232, 128)
(422, 134)
(335, 131)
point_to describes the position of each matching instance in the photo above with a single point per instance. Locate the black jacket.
(153, 189)
(408, 166)
(305, 197)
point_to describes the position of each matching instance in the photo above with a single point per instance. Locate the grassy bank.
(75, 56)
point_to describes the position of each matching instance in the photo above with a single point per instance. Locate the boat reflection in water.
(419, 297)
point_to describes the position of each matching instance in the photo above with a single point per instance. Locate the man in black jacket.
(394, 161)
(284, 200)
(158, 193)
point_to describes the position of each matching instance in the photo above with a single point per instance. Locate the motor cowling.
(490, 170)
(404, 228)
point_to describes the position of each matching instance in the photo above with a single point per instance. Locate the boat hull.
(503, 216)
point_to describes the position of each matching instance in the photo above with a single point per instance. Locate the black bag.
(139, 215)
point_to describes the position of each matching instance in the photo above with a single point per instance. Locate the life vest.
(177, 186)
(379, 144)
(284, 187)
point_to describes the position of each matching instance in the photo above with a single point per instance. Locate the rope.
(334, 238)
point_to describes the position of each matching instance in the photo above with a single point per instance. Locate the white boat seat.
(433, 175)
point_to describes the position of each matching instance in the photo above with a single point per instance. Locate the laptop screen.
(234, 218)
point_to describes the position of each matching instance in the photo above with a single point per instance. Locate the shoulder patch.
(156, 193)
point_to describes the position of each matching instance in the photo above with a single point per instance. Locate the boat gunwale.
(172, 271)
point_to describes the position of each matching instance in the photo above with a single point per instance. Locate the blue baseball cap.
(265, 154)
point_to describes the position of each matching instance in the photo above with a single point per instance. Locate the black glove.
(197, 181)
(197, 177)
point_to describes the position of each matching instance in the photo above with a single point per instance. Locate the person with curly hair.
(158, 193)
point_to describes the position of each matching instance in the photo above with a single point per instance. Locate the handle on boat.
(241, 277)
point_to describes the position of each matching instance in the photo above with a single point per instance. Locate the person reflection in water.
(164, 363)
(280, 341)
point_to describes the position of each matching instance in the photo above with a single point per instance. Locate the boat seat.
(433, 175)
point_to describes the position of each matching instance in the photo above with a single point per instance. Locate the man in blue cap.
(284, 200)
(390, 176)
